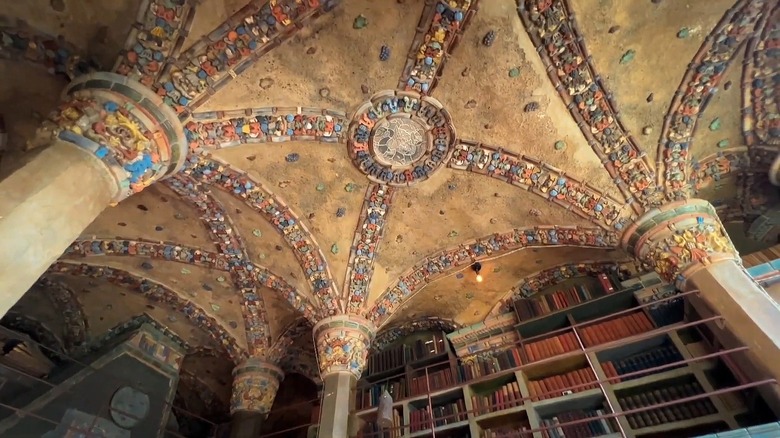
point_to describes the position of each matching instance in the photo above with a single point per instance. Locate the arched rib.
(296, 329)
(445, 262)
(156, 37)
(175, 252)
(545, 278)
(67, 304)
(231, 48)
(546, 181)
(555, 36)
(438, 33)
(697, 87)
(229, 242)
(225, 129)
(306, 250)
(760, 92)
(159, 293)
(365, 246)
(389, 335)
(54, 53)
(716, 166)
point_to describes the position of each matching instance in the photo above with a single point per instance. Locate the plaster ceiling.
(501, 96)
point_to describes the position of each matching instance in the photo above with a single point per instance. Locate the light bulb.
(479, 278)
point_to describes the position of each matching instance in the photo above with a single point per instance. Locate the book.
(669, 413)
(434, 381)
(438, 415)
(513, 431)
(368, 397)
(484, 364)
(530, 308)
(614, 329)
(662, 355)
(553, 346)
(392, 358)
(505, 397)
(560, 425)
(562, 384)
(373, 430)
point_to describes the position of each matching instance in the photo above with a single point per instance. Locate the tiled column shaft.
(343, 342)
(111, 137)
(255, 384)
(686, 244)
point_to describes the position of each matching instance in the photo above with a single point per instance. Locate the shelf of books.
(608, 367)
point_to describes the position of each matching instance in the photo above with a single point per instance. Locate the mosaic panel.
(713, 168)
(226, 52)
(365, 245)
(438, 33)
(554, 33)
(543, 180)
(158, 293)
(157, 36)
(441, 263)
(224, 129)
(697, 87)
(260, 199)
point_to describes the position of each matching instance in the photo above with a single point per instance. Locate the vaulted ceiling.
(564, 121)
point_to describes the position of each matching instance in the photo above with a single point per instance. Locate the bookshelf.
(639, 361)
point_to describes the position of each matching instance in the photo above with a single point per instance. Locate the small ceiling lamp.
(476, 267)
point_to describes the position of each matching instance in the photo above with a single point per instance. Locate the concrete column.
(686, 244)
(774, 171)
(110, 137)
(255, 383)
(342, 343)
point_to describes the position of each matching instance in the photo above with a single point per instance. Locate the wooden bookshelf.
(593, 370)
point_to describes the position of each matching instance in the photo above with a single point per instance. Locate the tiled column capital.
(255, 383)
(124, 124)
(677, 238)
(343, 342)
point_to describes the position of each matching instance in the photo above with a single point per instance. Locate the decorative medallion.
(400, 138)
(129, 407)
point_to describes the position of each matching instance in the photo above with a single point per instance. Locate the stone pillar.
(686, 244)
(774, 171)
(110, 137)
(342, 343)
(255, 383)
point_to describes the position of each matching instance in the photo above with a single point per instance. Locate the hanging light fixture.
(476, 267)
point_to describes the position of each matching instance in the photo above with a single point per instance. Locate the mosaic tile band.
(391, 334)
(156, 37)
(555, 35)
(543, 180)
(55, 54)
(438, 33)
(462, 256)
(221, 55)
(255, 383)
(760, 94)
(672, 238)
(698, 86)
(342, 343)
(225, 129)
(66, 303)
(365, 246)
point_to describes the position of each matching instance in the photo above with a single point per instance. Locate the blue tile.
(738, 433)
(757, 271)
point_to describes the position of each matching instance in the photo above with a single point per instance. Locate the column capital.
(255, 383)
(123, 124)
(342, 343)
(677, 238)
